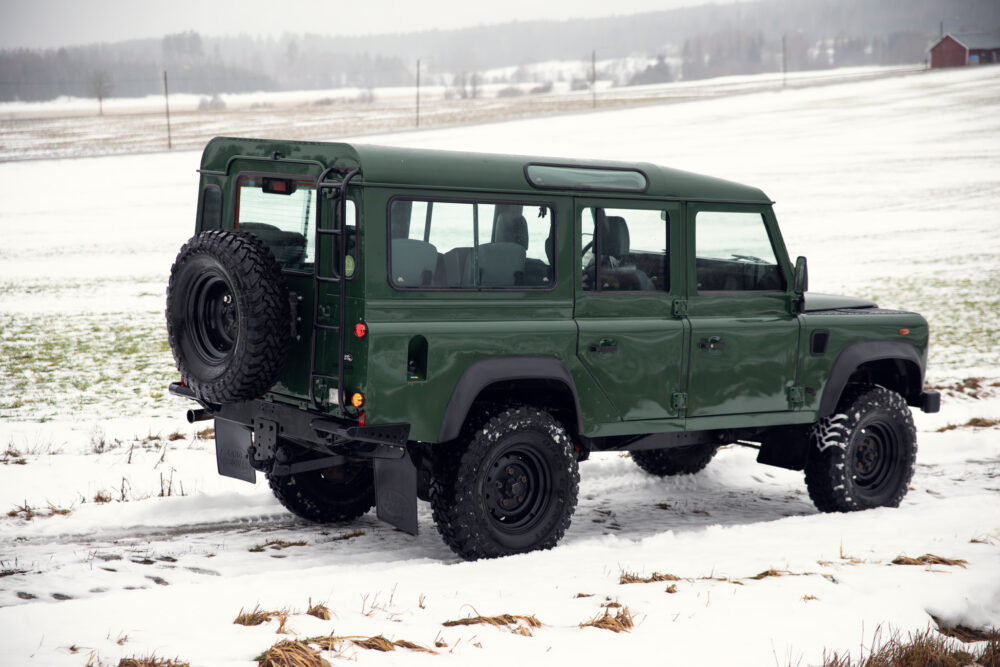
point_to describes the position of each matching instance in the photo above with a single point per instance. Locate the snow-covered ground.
(70, 127)
(890, 187)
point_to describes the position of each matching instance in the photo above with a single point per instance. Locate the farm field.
(117, 538)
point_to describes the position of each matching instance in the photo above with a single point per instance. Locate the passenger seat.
(413, 263)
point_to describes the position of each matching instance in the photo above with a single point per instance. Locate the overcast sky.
(54, 23)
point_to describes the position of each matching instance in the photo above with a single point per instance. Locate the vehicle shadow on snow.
(616, 498)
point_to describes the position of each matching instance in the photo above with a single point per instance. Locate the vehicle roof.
(384, 165)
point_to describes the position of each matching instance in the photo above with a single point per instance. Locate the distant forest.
(689, 43)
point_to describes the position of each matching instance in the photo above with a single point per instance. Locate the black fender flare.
(483, 373)
(856, 354)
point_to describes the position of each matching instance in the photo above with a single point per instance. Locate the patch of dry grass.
(929, 559)
(633, 578)
(291, 653)
(922, 649)
(152, 661)
(770, 573)
(256, 616)
(319, 610)
(621, 622)
(276, 545)
(376, 643)
(348, 536)
(27, 512)
(512, 622)
(975, 422)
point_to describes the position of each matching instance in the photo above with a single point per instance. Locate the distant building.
(960, 50)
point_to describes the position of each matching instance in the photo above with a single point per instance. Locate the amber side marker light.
(357, 400)
(904, 332)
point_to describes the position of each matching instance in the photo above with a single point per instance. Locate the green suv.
(369, 326)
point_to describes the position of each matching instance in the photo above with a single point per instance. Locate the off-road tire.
(333, 495)
(863, 455)
(509, 485)
(228, 316)
(676, 460)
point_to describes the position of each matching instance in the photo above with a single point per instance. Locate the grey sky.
(54, 23)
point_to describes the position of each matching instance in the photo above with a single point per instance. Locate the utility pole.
(784, 60)
(166, 102)
(593, 76)
(418, 92)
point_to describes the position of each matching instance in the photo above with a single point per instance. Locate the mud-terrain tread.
(313, 498)
(827, 480)
(264, 336)
(675, 461)
(456, 507)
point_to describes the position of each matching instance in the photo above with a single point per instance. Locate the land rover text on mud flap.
(370, 326)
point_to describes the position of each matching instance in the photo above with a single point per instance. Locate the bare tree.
(100, 87)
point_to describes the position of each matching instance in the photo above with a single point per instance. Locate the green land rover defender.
(369, 326)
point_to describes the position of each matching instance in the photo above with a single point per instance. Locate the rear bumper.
(297, 424)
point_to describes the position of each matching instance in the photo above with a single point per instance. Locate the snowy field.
(122, 540)
(70, 127)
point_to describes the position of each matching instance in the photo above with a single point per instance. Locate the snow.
(888, 186)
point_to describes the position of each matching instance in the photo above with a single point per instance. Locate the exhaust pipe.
(198, 416)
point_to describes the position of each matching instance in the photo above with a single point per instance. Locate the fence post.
(166, 101)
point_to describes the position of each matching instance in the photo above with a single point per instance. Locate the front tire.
(512, 489)
(333, 495)
(863, 455)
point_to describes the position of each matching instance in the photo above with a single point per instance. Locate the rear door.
(282, 209)
(626, 283)
(744, 337)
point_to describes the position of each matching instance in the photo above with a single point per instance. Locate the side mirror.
(801, 280)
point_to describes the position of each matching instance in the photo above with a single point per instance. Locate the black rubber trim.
(930, 401)
(485, 372)
(855, 354)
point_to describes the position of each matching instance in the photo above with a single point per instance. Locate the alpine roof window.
(571, 177)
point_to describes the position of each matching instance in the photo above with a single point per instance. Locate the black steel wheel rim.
(517, 486)
(875, 456)
(211, 320)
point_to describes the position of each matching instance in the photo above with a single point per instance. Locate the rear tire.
(675, 461)
(863, 455)
(512, 489)
(332, 495)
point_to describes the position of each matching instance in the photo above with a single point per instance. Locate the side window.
(447, 244)
(625, 249)
(351, 228)
(282, 213)
(733, 252)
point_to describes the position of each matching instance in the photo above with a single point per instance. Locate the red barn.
(960, 50)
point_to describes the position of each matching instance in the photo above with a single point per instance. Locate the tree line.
(687, 43)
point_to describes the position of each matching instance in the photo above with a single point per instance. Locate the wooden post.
(166, 101)
(593, 76)
(784, 60)
(418, 92)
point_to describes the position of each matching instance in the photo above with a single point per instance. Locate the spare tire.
(228, 316)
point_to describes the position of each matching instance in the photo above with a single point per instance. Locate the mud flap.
(396, 493)
(232, 444)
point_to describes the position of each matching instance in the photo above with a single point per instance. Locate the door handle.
(712, 344)
(604, 347)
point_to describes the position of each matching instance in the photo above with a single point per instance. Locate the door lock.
(712, 344)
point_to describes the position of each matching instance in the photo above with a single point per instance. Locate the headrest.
(614, 237)
(512, 230)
